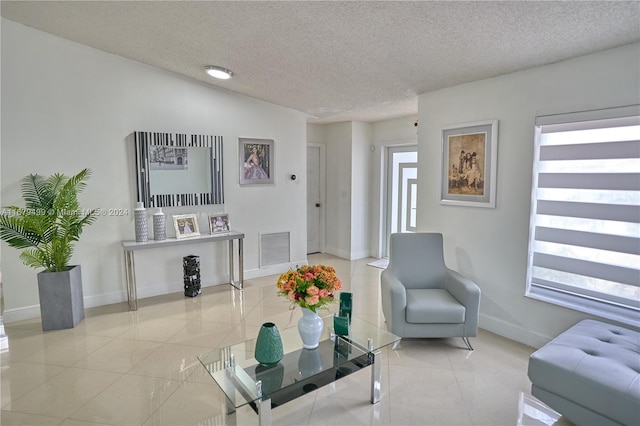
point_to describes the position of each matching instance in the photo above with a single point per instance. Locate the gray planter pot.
(61, 299)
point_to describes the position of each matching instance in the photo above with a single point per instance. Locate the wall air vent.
(274, 249)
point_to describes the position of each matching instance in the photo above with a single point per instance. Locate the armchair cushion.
(435, 305)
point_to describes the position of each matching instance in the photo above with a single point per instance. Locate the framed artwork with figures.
(255, 161)
(186, 225)
(219, 223)
(469, 157)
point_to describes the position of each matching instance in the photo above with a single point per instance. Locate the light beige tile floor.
(119, 367)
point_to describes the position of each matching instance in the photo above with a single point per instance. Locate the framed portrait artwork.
(469, 157)
(219, 223)
(186, 225)
(255, 161)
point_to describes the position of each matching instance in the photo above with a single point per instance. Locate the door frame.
(404, 205)
(385, 189)
(323, 194)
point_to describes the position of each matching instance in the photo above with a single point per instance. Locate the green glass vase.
(346, 305)
(269, 349)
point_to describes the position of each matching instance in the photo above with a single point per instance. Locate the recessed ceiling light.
(218, 72)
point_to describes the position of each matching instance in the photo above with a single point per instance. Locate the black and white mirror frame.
(145, 141)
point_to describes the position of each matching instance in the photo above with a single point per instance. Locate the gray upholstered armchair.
(421, 297)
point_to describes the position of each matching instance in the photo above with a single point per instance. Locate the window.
(584, 242)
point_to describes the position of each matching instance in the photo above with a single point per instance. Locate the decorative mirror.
(174, 169)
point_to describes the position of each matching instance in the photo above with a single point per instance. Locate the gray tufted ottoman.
(590, 374)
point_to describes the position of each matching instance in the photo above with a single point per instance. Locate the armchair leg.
(467, 343)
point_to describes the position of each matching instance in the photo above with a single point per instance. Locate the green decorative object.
(341, 325)
(346, 305)
(269, 349)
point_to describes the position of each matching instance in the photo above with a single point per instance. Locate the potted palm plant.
(46, 230)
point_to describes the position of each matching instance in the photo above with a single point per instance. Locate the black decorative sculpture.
(191, 266)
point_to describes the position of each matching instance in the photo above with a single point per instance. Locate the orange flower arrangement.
(310, 287)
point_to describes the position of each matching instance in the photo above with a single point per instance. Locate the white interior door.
(314, 199)
(401, 184)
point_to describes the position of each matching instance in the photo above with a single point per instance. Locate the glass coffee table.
(245, 382)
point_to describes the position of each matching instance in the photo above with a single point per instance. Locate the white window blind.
(584, 242)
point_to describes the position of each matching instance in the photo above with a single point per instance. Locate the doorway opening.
(315, 198)
(401, 192)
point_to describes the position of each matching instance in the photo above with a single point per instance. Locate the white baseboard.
(512, 332)
(338, 253)
(105, 299)
(30, 312)
(355, 255)
(362, 254)
(19, 314)
(33, 311)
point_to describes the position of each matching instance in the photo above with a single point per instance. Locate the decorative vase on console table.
(159, 226)
(140, 221)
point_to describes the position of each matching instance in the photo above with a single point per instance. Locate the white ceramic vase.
(140, 222)
(159, 227)
(310, 328)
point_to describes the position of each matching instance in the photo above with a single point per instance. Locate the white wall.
(361, 138)
(387, 133)
(396, 131)
(338, 203)
(316, 133)
(363, 212)
(78, 112)
(490, 245)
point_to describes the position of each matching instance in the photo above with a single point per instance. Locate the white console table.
(130, 247)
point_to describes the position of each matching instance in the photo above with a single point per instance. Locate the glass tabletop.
(236, 371)
(360, 332)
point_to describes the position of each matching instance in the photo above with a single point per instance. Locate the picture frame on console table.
(469, 163)
(255, 161)
(219, 223)
(186, 225)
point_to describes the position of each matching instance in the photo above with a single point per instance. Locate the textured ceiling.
(339, 61)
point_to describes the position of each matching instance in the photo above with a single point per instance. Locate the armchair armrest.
(394, 301)
(468, 293)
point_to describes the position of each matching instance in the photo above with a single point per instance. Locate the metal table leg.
(231, 408)
(231, 268)
(264, 412)
(240, 284)
(130, 272)
(241, 261)
(376, 376)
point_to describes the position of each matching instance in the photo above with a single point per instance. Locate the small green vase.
(346, 305)
(269, 349)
